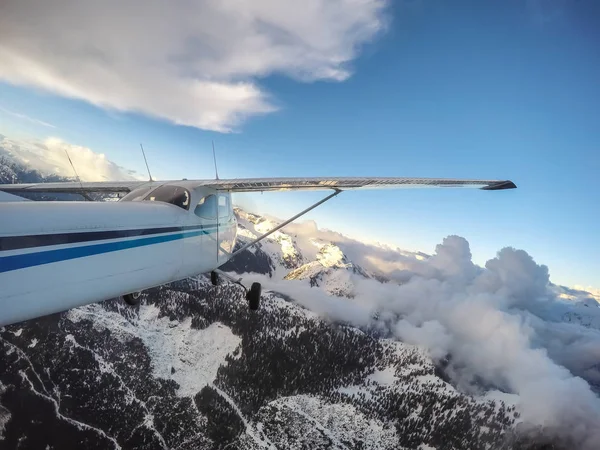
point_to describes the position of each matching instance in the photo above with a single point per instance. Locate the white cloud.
(49, 157)
(502, 325)
(595, 292)
(194, 63)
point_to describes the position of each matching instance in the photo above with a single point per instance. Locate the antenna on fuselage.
(146, 161)
(83, 194)
(73, 167)
(215, 160)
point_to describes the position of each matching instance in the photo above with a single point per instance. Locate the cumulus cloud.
(49, 157)
(503, 325)
(194, 63)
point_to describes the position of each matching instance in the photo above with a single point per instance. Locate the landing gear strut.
(132, 299)
(252, 294)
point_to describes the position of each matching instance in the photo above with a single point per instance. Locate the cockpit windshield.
(174, 195)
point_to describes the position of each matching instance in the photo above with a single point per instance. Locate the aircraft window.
(175, 195)
(223, 206)
(207, 207)
(137, 194)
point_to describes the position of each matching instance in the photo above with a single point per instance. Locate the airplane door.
(205, 254)
(219, 231)
(226, 228)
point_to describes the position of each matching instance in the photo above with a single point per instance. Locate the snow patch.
(33, 343)
(195, 355)
(385, 377)
(179, 352)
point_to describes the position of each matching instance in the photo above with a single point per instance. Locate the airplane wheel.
(253, 296)
(132, 299)
(214, 278)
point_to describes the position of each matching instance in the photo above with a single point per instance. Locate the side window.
(223, 206)
(207, 207)
(175, 195)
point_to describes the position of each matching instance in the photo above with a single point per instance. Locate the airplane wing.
(348, 183)
(261, 184)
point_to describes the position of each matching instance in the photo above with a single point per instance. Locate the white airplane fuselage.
(59, 255)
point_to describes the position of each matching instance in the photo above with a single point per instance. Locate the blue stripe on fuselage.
(15, 262)
(79, 237)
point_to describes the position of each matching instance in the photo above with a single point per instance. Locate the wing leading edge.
(265, 184)
(73, 187)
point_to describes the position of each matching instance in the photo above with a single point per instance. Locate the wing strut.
(280, 226)
(253, 294)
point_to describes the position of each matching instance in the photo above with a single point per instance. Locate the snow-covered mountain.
(193, 368)
(331, 270)
(296, 257)
(335, 358)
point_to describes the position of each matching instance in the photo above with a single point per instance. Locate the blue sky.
(503, 90)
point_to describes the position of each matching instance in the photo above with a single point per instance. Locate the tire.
(253, 296)
(214, 278)
(133, 299)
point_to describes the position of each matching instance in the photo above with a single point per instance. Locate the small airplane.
(55, 256)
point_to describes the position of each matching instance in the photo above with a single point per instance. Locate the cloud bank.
(193, 63)
(502, 326)
(49, 157)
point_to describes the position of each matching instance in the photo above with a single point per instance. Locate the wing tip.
(500, 185)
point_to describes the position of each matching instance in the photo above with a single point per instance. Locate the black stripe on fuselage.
(44, 240)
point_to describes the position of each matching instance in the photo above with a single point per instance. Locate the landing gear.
(214, 278)
(253, 296)
(132, 299)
